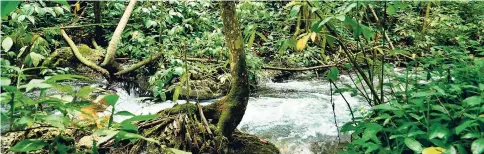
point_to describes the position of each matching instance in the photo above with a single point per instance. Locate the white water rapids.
(293, 115)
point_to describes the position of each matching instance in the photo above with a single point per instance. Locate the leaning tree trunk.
(113, 44)
(232, 107)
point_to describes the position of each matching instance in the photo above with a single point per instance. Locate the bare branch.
(140, 64)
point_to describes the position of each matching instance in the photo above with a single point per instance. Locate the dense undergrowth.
(418, 65)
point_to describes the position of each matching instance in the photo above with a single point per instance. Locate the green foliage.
(24, 112)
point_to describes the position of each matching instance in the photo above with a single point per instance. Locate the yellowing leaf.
(301, 43)
(433, 150)
(313, 37)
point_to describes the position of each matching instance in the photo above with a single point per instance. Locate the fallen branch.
(140, 64)
(79, 26)
(202, 116)
(297, 69)
(202, 60)
(81, 58)
(268, 67)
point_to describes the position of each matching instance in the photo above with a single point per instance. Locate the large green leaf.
(438, 131)
(4, 81)
(295, 10)
(472, 101)
(370, 132)
(413, 144)
(85, 91)
(35, 57)
(35, 83)
(28, 145)
(8, 6)
(391, 10)
(463, 126)
(62, 77)
(111, 99)
(477, 146)
(317, 26)
(333, 74)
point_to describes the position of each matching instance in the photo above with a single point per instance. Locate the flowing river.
(295, 115)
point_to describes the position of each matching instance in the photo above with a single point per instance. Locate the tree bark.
(111, 50)
(97, 20)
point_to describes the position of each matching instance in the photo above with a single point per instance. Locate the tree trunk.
(97, 20)
(232, 107)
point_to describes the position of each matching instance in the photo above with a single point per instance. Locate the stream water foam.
(293, 115)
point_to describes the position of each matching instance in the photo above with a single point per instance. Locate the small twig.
(347, 103)
(202, 116)
(334, 112)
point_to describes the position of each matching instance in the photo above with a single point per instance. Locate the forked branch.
(81, 58)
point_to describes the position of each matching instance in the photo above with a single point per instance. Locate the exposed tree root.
(181, 127)
(81, 58)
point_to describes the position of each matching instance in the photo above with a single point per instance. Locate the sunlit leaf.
(472, 101)
(433, 150)
(35, 83)
(85, 91)
(177, 92)
(477, 146)
(301, 43)
(391, 10)
(4, 81)
(7, 41)
(438, 131)
(295, 10)
(413, 144)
